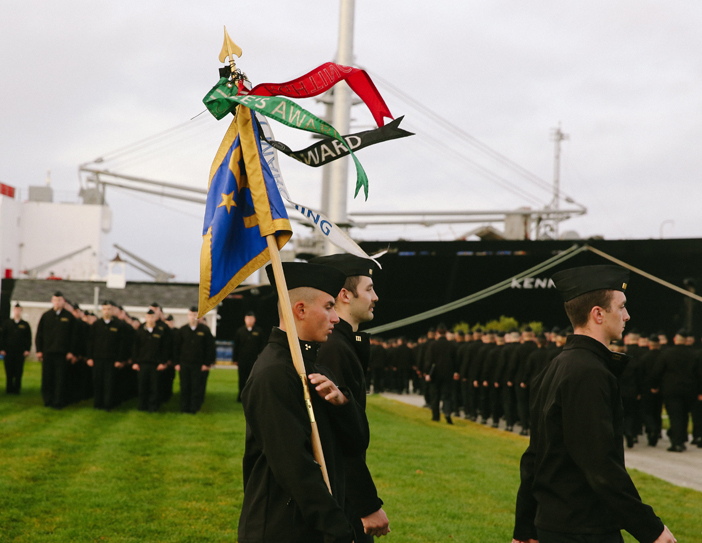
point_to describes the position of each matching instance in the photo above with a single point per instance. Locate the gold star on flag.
(228, 201)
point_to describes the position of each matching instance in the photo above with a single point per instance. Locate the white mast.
(338, 186)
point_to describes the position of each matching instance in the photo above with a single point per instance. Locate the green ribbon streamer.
(223, 99)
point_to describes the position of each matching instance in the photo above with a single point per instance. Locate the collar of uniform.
(345, 328)
(309, 348)
(615, 361)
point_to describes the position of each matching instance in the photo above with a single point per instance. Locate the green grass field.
(80, 475)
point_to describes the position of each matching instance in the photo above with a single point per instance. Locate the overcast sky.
(81, 79)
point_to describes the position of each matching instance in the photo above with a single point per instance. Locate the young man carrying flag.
(285, 496)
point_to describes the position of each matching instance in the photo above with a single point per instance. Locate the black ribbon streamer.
(328, 150)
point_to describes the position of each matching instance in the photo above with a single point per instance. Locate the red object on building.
(8, 273)
(7, 190)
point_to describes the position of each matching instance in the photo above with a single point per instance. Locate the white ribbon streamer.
(318, 220)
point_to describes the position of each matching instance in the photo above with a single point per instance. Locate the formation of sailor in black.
(112, 357)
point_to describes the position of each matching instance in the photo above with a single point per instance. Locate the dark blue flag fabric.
(243, 207)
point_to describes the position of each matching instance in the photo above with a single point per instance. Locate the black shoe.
(652, 442)
(629, 442)
(434, 420)
(448, 419)
(699, 444)
(508, 428)
(676, 448)
(495, 424)
(524, 432)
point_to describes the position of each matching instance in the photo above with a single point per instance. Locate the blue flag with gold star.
(243, 207)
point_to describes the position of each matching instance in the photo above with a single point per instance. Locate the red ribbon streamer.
(324, 78)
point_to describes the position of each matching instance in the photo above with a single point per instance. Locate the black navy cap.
(302, 274)
(249, 314)
(193, 308)
(574, 282)
(653, 338)
(154, 304)
(169, 318)
(58, 294)
(350, 265)
(150, 312)
(17, 305)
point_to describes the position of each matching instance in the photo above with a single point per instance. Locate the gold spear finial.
(229, 49)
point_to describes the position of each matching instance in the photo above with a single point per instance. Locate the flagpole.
(291, 330)
(229, 49)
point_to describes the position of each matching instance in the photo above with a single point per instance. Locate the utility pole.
(337, 193)
(558, 136)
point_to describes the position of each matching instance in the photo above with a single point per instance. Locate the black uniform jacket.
(573, 475)
(150, 347)
(16, 337)
(194, 347)
(677, 372)
(56, 333)
(346, 354)
(108, 341)
(285, 497)
(442, 353)
(248, 344)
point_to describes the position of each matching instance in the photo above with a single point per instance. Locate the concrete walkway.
(682, 469)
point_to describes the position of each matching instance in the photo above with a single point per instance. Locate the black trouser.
(54, 379)
(523, 406)
(485, 407)
(377, 378)
(509, 404)
(417, 382)
(104, 384)
(14, 367)
(403, 380)
(558, 537)
(678, 408)
(456, 396)
(202, 387)
(496, 403)
(150, 382)
(652, 406)
(440, 391)
(630, 405)
(465, 395)
(189, 388)
(473, 400)
(166, 385)
(696, 418)
(245, 367)
(86, 389)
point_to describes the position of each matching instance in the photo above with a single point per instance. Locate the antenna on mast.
(557, 136)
